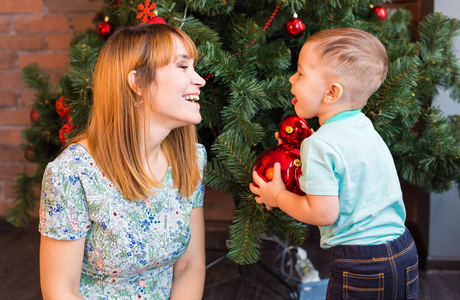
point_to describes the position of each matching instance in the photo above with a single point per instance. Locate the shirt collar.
(343, 115)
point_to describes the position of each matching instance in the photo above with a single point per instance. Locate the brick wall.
(40, 31)
(31, 31)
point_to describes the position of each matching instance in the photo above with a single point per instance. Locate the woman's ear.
(334, 92)
(133, 83)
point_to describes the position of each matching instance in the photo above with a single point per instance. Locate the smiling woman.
(175, 83)
(121, 211)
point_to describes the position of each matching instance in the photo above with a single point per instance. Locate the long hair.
(114, 129)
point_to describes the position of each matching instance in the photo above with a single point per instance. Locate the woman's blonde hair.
(114, 128)
(355, 58)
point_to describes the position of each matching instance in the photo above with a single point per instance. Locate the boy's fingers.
(277, 137)
(253, 188)
(257, 179)
(277, 171)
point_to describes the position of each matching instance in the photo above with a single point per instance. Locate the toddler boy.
(352, 188)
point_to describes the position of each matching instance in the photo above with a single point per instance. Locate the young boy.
(353, 191)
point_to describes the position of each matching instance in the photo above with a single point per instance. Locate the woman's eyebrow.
(182, 56)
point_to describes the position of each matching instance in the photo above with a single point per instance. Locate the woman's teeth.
(192, 98)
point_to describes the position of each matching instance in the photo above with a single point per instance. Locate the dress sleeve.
(199, 192)
(321, 166)
(63, 211)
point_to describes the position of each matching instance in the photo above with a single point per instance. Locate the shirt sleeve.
(320, 166)
(199, 192)
(63, 211)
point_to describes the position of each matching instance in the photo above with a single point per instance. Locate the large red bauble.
(294, 27)
(293, 130)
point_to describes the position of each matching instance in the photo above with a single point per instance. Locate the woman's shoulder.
(71, 157)
(200, 150)
(201, 153)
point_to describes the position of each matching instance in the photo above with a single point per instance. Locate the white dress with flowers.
(130, 246)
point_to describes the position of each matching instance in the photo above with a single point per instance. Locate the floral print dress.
(130, 246)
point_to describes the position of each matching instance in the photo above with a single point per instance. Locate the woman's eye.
(183, 67)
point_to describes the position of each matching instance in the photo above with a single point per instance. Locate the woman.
(121, 212)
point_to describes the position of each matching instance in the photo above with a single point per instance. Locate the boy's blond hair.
(354, 58)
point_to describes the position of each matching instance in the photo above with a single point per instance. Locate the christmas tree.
(248, 50)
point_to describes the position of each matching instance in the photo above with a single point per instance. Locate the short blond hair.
(114, 128)
(354, 58)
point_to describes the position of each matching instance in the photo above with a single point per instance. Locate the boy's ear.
(132, 82)
(333, 93)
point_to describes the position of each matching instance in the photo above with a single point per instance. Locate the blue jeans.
(385, 271)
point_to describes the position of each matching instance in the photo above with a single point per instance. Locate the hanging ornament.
(62, 108)
(379, 11)
(34, 115)
(147, 11)
(105, 29)
(294, 27)
(156, 20)
(66, 129)
(29, 153)
(292, 131)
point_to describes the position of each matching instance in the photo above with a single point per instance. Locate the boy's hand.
(268, 191)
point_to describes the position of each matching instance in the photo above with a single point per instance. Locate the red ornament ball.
(62, 108)
(293, 130)
(294, 27)
(156, 20)
(34, 115)
(29, 153)
(66, 129)
(380, 12)
(105, 29)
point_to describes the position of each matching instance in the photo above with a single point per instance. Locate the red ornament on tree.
(294, 27)
(293, 130)
(105, 29)
(29, 153)
(379, 11)
(66, 129)
(62, 108)
(34, 115)
(156, 20)
(146, 11)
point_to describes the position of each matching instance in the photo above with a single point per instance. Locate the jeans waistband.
(382, 251)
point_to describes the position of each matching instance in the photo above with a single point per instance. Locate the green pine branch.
(248, 224)
(286, 228)
(20, 213)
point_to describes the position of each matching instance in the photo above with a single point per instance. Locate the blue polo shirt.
(346, 157)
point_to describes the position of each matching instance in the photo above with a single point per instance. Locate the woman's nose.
(198, 80)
